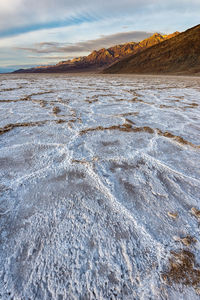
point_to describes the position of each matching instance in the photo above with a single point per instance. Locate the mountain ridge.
(177, 55)
(99, 59)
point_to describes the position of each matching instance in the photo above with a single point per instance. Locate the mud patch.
(56, 110)
(128, 114)
(125, 127)
(25, 124)
(11, 126)
(177, 138)
(188, 240)
(129, 121)
(60, 121)
(11, 89)
(92, 100)
(77, 161)
(195, 212)
(182, 269)
(110, 143)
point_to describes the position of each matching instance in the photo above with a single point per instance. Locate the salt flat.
(99, 187)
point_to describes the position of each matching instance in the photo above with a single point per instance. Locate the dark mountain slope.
(178, 55)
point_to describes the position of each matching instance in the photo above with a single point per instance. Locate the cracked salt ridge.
(88, 216)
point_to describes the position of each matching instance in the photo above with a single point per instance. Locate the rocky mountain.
(102, 58)
(177, 55)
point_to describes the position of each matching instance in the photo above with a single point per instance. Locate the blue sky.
(47, 31)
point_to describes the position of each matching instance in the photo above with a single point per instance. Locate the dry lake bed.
(99, 187)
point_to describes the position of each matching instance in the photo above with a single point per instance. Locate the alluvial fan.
(99, 187)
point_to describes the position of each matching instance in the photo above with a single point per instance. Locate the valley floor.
(99, 187)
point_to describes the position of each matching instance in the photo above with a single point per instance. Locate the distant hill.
(178, 55)
(100, 59)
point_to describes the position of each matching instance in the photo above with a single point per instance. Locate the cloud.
(30, 14)
(27, 15)
(49, 57)
(32, 32)
(104, 41)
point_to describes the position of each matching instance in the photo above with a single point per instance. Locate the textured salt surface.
(98, 176)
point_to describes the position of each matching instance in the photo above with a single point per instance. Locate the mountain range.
(98, 60)
(177, 55)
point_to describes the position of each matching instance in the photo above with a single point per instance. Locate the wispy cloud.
(104, 41)
(50, 57)
(17, 16)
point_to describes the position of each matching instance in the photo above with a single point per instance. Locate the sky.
(48, 31)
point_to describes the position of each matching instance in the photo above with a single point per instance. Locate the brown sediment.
(165, 106)
(134, 92)
(135, 99)
(177, 138)
(73, 113)
(60, 121)
(41, 93)
(127, 114)
(70, 122)
(195, 212)
(11, 89)
(42, 103)
(129, 121)
(180, 97)
(26, 98)
(83, 161)
(56, 110)
(188, 240)
(93, 100)
(79, 119)
(157, 88)
(125, 127)
(191, 105)
(8, 101)
(7, 90)
(128, 128)
(182, 269)
(110, 143)
(173, 215)
(11, 126)
(121, 99)
(79, 161)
